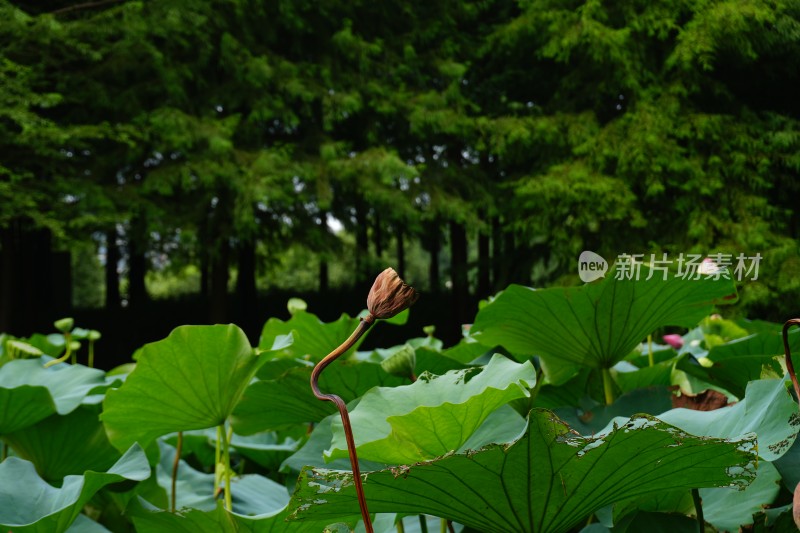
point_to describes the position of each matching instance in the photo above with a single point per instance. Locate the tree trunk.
(498, 281)
(484, 265)
(137, 262)
(246, 292)
(401, 253)
(458, 272)
(113, 298)
(433, 240)
(218, 284)
(27, 292)
(377, 235)
(362, 243)
(204, 245)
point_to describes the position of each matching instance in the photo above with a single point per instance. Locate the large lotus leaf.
(547, 481)
(432, 416)
(597, 324)
(311, 453)
(219, 521)
(767, 410)
(265, 449)
(738, 362)
(84, 524)
(653, 523)
(269, 404)
(503, 425)
(427, 360)
(29, 392)
(725, 508)
(593, 417)
(312, 337)
(32, 505)
(468, 350)
(788, 465)
(62, 445)
(259, 504)
(190, 380)
(728, 509)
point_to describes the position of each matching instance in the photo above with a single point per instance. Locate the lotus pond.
(560, 410)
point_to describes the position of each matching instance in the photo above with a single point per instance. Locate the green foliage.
(57, 508)
(201, 371)
(545, 481)
(432, 416)
(456, 439)
(594, 325)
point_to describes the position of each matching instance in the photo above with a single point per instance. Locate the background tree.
(493, 141)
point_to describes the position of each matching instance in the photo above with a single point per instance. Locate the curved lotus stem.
(789, 365)
(389, 295)
(363, 326)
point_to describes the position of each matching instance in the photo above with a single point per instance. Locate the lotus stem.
(226, 466)
(698, 509)
(789, 365)
(388, 296)
(175, 463)
(650, 350)
(423, 524)
(217, 462)
(362, 327)
(67, 352)
(608, 388)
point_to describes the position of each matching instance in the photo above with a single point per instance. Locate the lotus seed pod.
(389, 295)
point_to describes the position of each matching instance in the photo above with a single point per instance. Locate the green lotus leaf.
(402, 362)
(57, 508)
(62, 445)
(432, 416)
(312, 337)
(597, 324)
(766, 410)
(287, 399)
(727, 509)
(29, 392)
(266, 449)
(190, 380)
(312, 452)
(252, 494)
(788, 465)
(738, 362)
(218, 521)
(259, 504)
(84, 524)
(592, 417)
(547, 481)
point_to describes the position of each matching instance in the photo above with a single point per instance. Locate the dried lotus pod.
(389, 295)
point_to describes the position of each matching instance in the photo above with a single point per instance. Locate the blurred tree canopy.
(502, 137)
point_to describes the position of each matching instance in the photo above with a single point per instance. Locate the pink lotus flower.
(674, 340)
